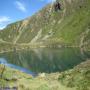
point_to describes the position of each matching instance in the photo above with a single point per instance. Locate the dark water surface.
(43, 59)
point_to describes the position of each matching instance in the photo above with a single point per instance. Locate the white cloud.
(4, 20)
(2, 27)
(49, 0)
(21, 6)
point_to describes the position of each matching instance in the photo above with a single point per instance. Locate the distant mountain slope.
(68, 23)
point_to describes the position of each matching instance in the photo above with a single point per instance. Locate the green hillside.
(67, 25)
(77, 78)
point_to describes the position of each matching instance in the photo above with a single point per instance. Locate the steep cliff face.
(65, 21)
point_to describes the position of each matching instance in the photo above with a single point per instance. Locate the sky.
(15, 10)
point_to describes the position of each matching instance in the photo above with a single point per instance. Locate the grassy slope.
(75, 26)
(78, 77)
(75, 79)
(64, 26)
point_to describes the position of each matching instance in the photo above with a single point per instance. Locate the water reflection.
(44, 59)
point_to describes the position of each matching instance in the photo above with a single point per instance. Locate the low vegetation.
(77, 78)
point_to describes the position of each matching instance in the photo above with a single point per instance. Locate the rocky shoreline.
(73, 79)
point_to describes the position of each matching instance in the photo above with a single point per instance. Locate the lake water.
(44, 59)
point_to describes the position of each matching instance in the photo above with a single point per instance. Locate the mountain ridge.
(52, 26)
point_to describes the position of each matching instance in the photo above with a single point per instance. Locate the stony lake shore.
(77, 78)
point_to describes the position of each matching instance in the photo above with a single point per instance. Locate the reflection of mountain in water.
(45, 60)
(4, 62)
